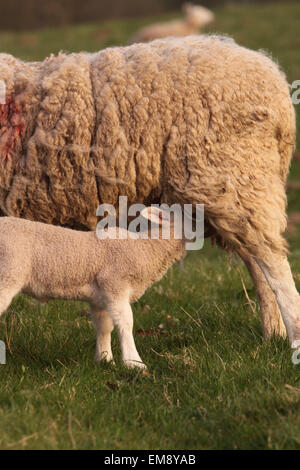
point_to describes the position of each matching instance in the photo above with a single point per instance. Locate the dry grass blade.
(250, 302)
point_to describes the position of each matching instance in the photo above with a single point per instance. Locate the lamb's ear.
(153, 214)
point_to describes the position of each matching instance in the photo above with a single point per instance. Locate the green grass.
(212, 382)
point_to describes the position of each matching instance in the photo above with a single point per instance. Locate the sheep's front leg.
(104, 327)
(122, 317)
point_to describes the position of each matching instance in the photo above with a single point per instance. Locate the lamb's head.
(165, 225)
(155, 215)
(198, 16)
(165, 220)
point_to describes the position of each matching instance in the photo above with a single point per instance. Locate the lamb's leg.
(270, 314)
(277, 271)
(122, 317)
(104, 326)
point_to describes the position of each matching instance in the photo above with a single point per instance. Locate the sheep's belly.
(84, 293)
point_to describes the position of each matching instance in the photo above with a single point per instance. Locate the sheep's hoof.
(131, 364)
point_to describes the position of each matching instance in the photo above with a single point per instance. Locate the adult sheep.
(191, 120)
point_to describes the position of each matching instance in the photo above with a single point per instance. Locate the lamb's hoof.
(131, 364)
(104, 357)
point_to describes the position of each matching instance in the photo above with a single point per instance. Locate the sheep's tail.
(286, 136)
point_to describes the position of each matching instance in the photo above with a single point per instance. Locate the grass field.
(212, 382)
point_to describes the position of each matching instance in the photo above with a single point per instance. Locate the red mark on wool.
(12, 125)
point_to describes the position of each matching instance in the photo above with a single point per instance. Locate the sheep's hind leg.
(277, 272)
(122, 317)
(270, 314)
(104, 327)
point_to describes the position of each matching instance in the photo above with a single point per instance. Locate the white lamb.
(47, 261)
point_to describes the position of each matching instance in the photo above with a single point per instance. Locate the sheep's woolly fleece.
(191, 120)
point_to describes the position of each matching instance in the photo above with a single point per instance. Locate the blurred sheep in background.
(196, 17)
